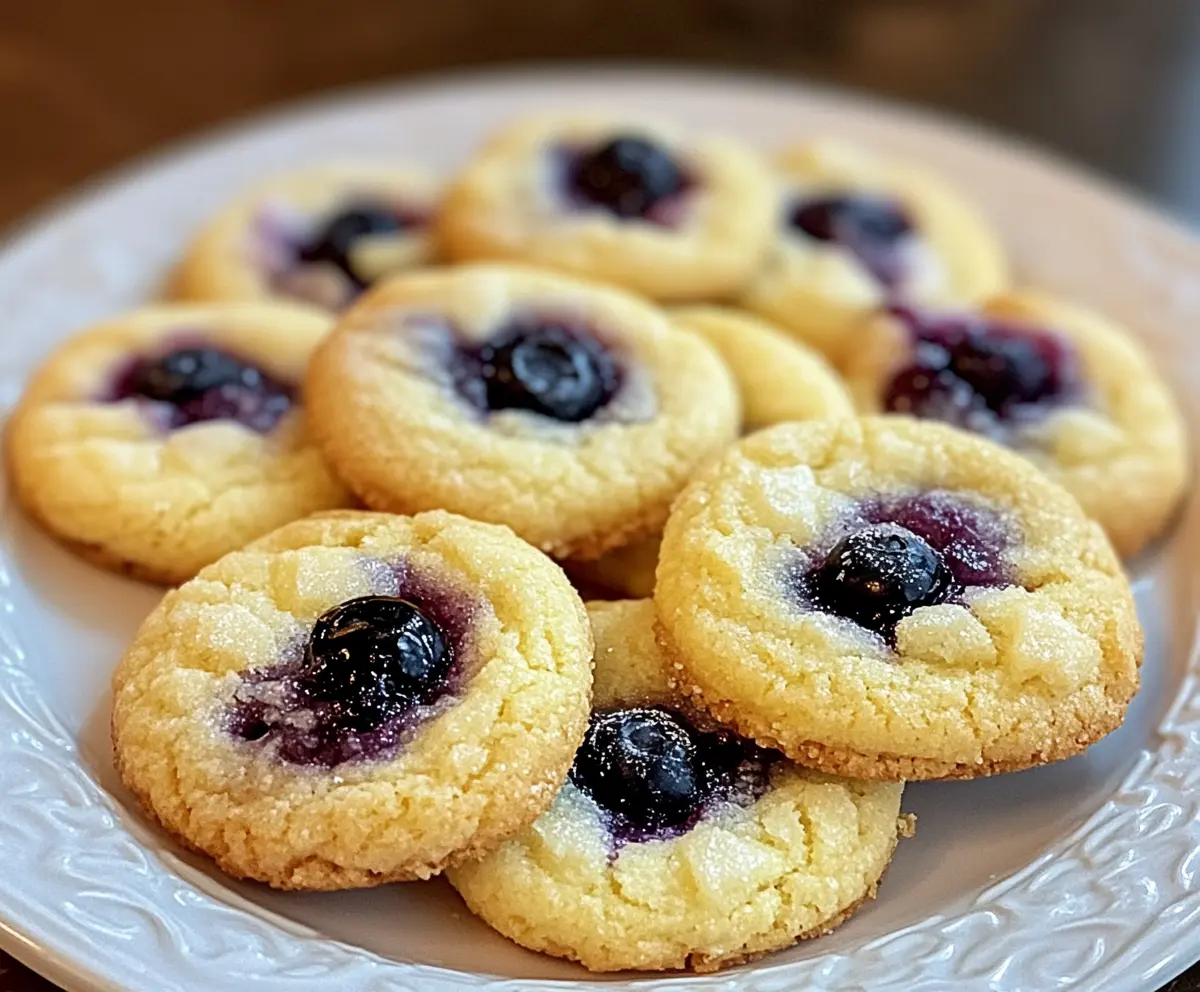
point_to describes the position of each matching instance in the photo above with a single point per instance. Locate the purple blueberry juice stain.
(873, 228)
(553, 366)
(889, 556)
(654, 775)
(195, 382)
(986, 376)
(369, 674)
(630, 177)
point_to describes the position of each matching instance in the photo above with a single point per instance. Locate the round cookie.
(854, 230)
(355, 699)
(157, 441)
(569, 411)
(318, 236)
(676, 844)
(639, 204)
(895, 599)
(1062, 385)
(779, 380)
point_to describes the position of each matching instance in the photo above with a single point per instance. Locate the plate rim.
(34, 947)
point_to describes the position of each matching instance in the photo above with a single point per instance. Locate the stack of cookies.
(863, 497)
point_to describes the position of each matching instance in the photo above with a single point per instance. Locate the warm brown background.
(85, 84)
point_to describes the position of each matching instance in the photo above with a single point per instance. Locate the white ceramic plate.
(1082, 875)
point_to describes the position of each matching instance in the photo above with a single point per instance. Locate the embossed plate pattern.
(1083, 875)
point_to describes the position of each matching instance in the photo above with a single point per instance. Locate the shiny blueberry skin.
(629, 176)
(202, 383)
(980, 374)
(890, 555)
(371, 671)
(335, 240)
(374, 657)
(545, 366)
(878, 575)
(653, 773)
(872, 227)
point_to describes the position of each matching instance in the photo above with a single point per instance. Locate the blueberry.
(204, 383)
(338, 236)
(872, 227)
(375, 657)
(547, 367)
(878, 575)
(977, 374)
(628, 176)
(644, 765)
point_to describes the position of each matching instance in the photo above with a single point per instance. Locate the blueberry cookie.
(570, 411)
(157, 441)
(1061, 385)
(676, 843)
(854, 231)
(895, 599)
(632, 203)
(319, 236)
(779, 379)
(356, 698)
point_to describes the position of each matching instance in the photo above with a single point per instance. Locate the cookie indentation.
(655, 774)
(199, 383)
(873, 228)
(629, 176)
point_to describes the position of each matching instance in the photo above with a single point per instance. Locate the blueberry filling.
(334, 242)
(195, 384)
(371, 669)
(878, 575)
(654, 774)
(873, 228)
(629, 176)
(981, 375)
(551, 367)
(890, 557)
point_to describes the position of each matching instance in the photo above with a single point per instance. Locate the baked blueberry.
(872, 227)
(374, 657)
(546, 366)
(336, 239)
(878, 575)
(978, 374)
(206, 383)
(628, 176)
(655, 773)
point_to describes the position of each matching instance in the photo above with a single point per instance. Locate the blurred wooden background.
(85, 84)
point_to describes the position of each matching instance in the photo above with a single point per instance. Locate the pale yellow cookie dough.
(508, 204)
(744, 881)
(820, 292)
(1120, 449)
(118, 489)
(388, 414)
(475, 772)
(242, 253)
(995, 680)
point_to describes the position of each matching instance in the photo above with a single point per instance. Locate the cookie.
(571, 412)
(1062, 385)
(676, 844)
(355, 699)
(157, 441)
(318, 236)
(889, 598)
(853, 231)
(779, 379)
(639, 204)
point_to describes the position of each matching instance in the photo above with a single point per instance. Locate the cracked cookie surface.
(890, 598)
(264, 722)
(786, 853)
